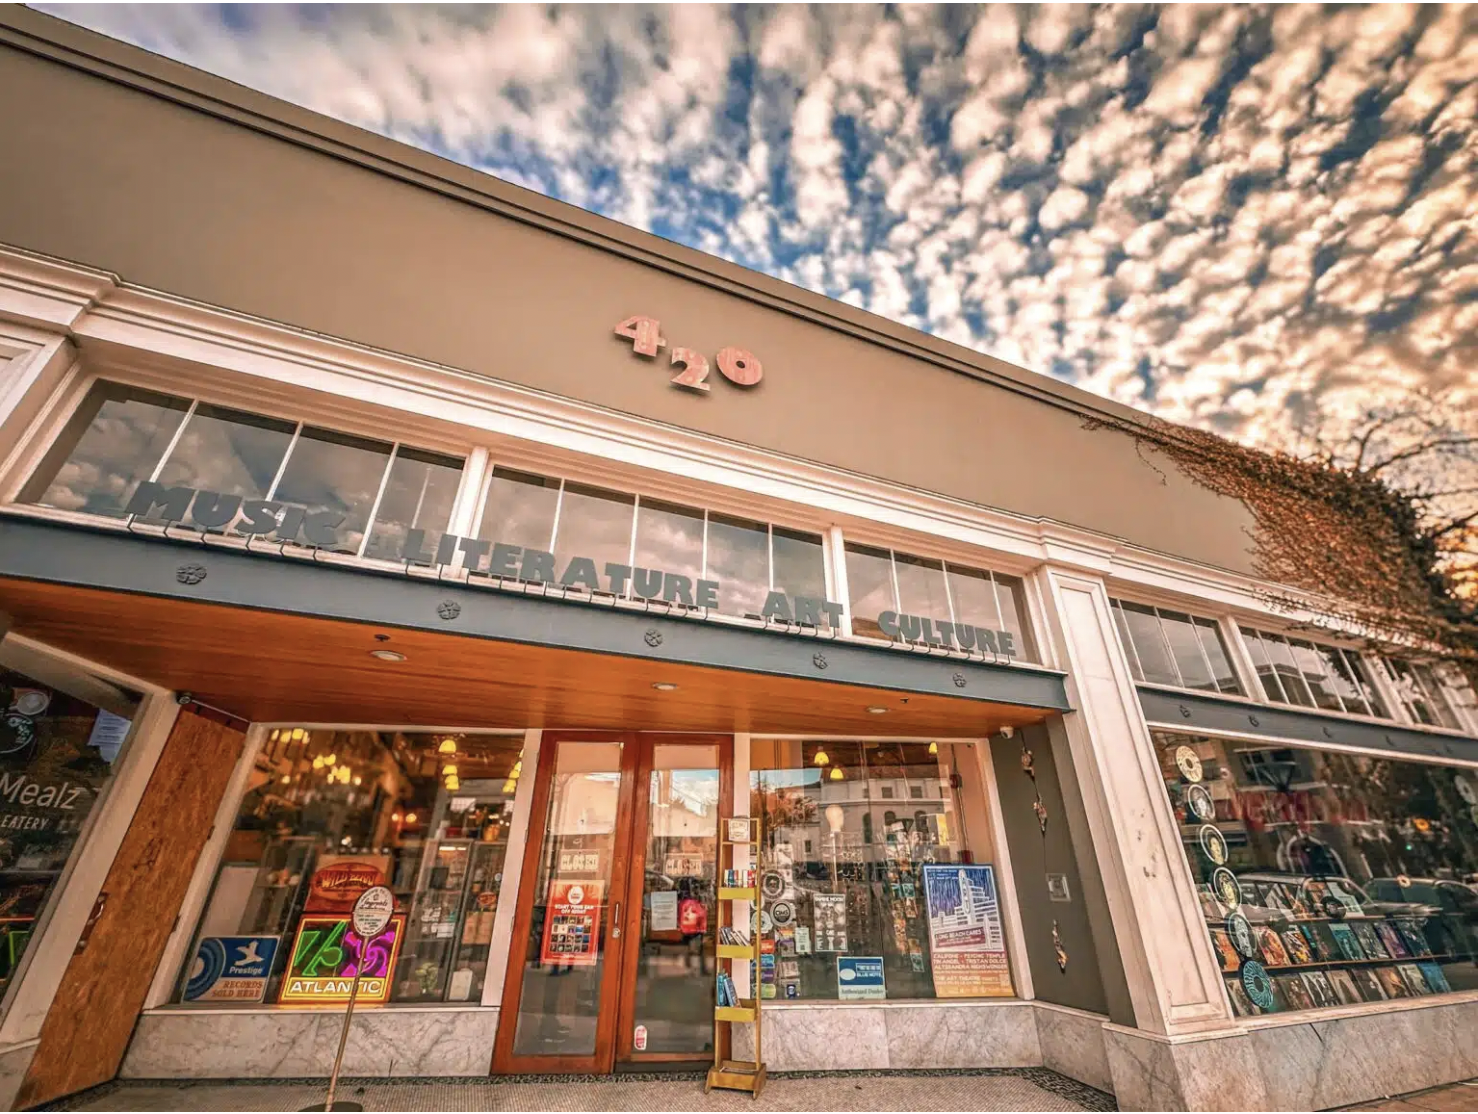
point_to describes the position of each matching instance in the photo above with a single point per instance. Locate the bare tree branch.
(1433, 445)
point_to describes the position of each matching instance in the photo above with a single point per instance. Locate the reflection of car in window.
(1451, 909)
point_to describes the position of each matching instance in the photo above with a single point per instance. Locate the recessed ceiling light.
(387, 655)
(877, 711)
(664, 686)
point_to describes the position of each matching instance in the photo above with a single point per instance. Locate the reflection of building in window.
(1170, 648)
(864, 861)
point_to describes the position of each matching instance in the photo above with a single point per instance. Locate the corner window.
(328, 814)
(967, 609)
(1311, 675)
(161, 459)
(1429, 697)
(60, 738)
(870, 894)
(1326, 878)
(1173, 648)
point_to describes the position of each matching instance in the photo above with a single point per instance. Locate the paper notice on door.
(664, 911)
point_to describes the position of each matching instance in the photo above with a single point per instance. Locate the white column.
(836, 543)
(465, 507)
(504, 949)
(1174, 978)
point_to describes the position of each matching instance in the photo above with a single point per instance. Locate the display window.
(61, 735)
(633, 546)
(983, 611)
(1433, 694)
(1327, 878)
(122, 437)
(326, 815)
(868, 887)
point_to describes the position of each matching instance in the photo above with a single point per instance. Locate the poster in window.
(829, 920)
(572, 924)
(340, 879)
(328, 954)
(231, 969)
(965, 935)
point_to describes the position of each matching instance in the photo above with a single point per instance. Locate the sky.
(1226, 216)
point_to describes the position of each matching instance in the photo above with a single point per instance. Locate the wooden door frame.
(505, 1060)
(624, 1051)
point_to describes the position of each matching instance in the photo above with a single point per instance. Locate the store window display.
(869, 890)
(61, 736)
(328, 814)
(1327, 878)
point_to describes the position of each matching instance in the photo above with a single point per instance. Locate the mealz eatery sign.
(297, 525)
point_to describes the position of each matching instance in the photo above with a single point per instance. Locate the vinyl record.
(1213, 844)
(1257, 984)
(210, 962)
(1198, 801)
(1189, 764)
(782, 912)
(1239, 928)
(772, 885)
(1224, 886)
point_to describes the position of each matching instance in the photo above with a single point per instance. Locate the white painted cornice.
(47, 293)
(161, 330)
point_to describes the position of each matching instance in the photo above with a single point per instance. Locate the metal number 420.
(739, 367)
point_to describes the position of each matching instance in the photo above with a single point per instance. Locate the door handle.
(616, 923)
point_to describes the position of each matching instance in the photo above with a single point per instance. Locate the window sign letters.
(739, 367)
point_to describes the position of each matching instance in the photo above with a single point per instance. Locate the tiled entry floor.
(996, 1089)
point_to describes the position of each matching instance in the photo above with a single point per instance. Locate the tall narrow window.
(337, 473)
(870, 582)
(418, 495)
(230, 452)
(594, 523)
(739, 559)
(519, 509)
(800, 567)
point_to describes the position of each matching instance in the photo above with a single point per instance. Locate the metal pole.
(333, 1079)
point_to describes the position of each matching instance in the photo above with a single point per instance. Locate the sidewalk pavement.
(998, 1089)
(1455, 1096)
(986, 1089)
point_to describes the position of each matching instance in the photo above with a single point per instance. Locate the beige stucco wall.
(184, 201)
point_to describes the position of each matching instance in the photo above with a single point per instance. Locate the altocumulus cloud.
(1213, 213)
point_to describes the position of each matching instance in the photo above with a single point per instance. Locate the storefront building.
(366, 520)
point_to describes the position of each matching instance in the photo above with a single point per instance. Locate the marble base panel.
(1210, 1072)
(286, 1044)
(1344, 1060)
(1072, 1045)
(13, 1064)
(837, 1037)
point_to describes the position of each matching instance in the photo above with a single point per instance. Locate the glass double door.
(613, 955)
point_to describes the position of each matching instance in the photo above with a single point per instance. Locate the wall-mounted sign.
(860, 978)
(739, 367)
(500, 561)
(231, 969)
(965, 935)
(328, 954)
(572, 924)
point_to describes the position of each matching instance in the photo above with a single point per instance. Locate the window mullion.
(1128, 636)
(369, 525)
(173, 441)
(1169, 649)
(1272, 666)
(282, 467)
(559, 506)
